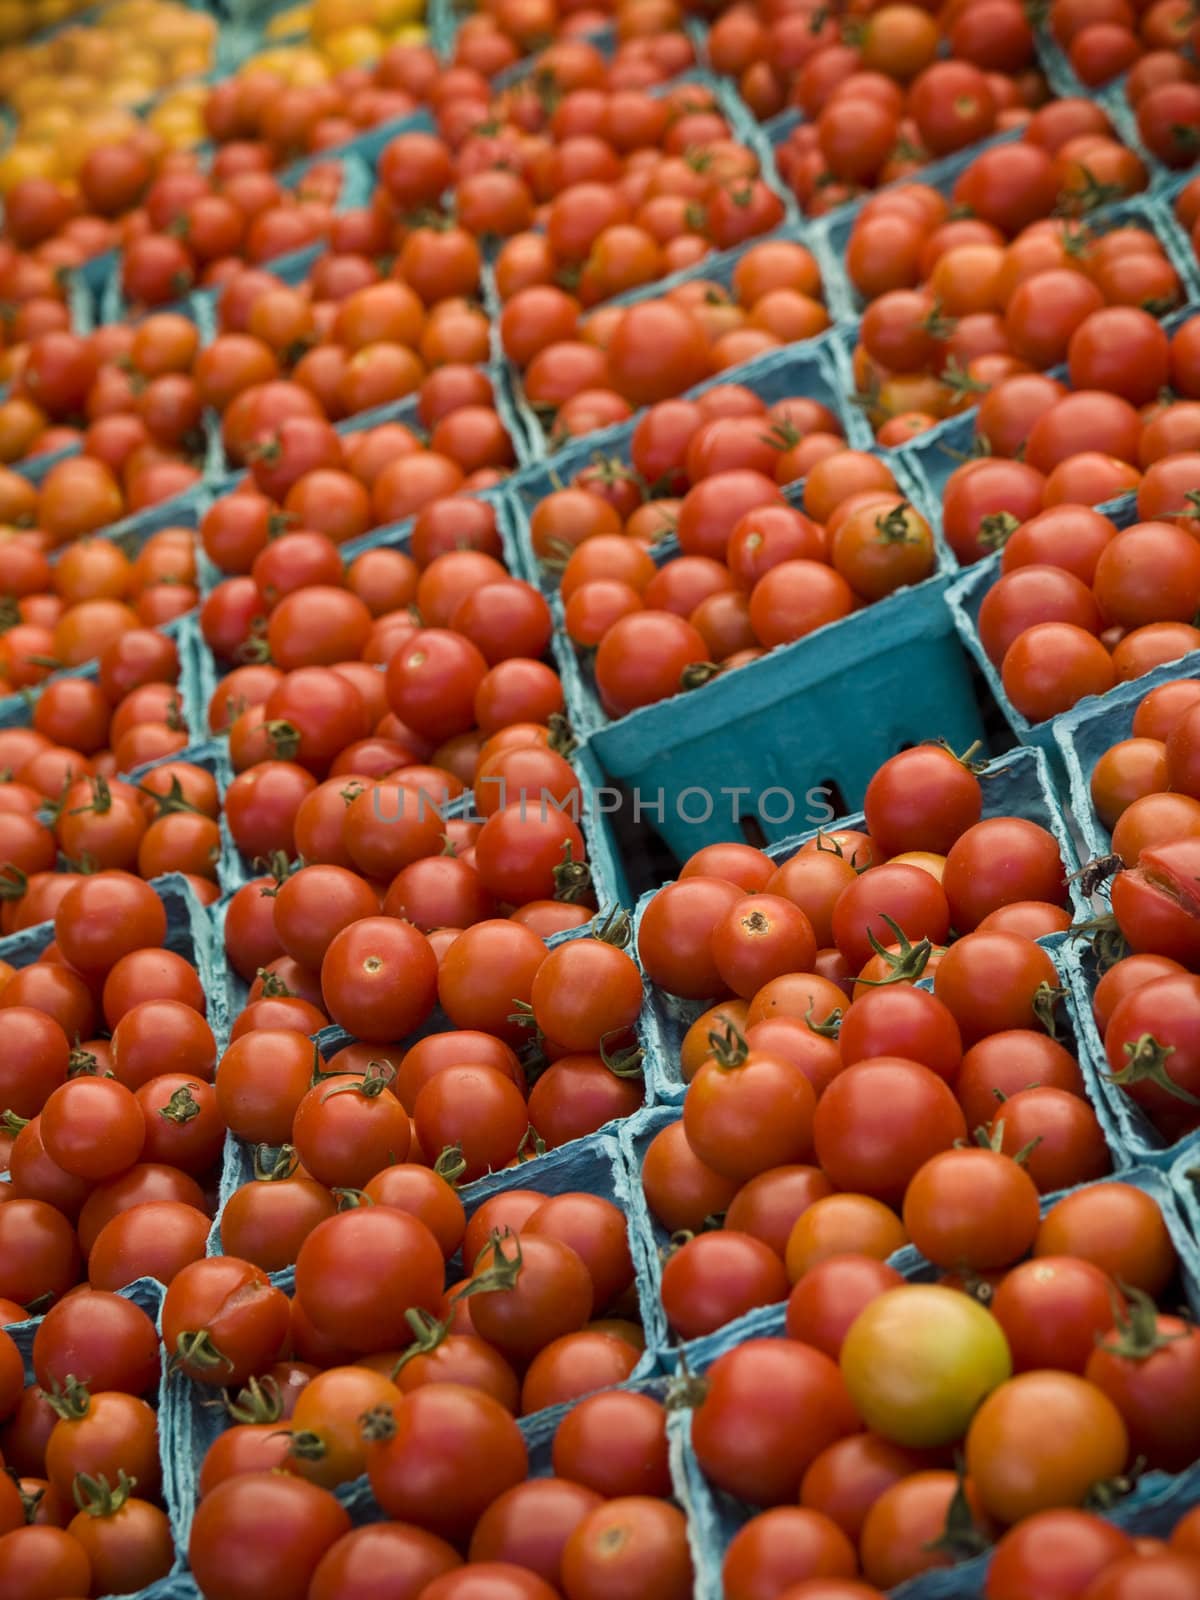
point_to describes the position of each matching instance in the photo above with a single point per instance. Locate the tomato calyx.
(572, 879)
(1107, 941)
(351, 1199)
(284, 738)
(1045, 1002)
(1137, 1331)
(10, 1122)
(275, 1164)
(991, 1138)
(254, 650)
(13, 882)
(562, 738)
(959, 381)
(428, 1333)
(169, 803)
(31, 1499)
(1146, 1062)
(698, 673)
(259, 1400)
(729, 1048)
(616, 928)
(84, 863)
(961, 1537)
(378, 1425)
(101, 801)
(70, 1401)
(279, 868)
(273, 986)
(378, 1076)
(182, 1105)
(687, 1390)
(504, 1271)
(830, 1027)
(304, 1446)
(1089, 196)
(1107, 1492)
(195, 1348)
(996, 529)
(451, 1164)
(84, 1064)
(621, 1063)
(906, 963)
(531, 1146)
(99, 1498)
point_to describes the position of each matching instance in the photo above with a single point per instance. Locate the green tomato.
(919, 1360)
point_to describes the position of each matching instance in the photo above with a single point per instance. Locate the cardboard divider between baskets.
(787, 720)
(1016, 784)
(717, 268)
(1156, 1503)
(16, 710)
(1137, 1133)
(1085, 733)
(810, 370)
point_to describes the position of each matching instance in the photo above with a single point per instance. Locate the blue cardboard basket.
(964, 599)
(16, 710)
(778, 725)
(213, 756)
(812, 369)
(1084, 734)
(1017, 784)
(594, 1166)
(357, 185)
(835, 225)
(189, 934)
(1142, 210)
(148, 1294)
(538, 1431)
(1137, 1133)
(1153, 1508)
(718, 269)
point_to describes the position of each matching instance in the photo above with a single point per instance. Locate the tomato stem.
(97, 1497)
(1146, 1062)
(259, 1400)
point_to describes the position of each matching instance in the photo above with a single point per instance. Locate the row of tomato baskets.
(698, 1164)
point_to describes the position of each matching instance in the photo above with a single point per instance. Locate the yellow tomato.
(27, 161)
(286, 23)
(402, 12)
(49, 125)
(352, 47)
(332, 16)
(919, 1360)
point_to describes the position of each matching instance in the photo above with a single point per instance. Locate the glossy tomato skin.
(411, 1557)
(879, 1121)
(1150, 1369)
(442, 1457)
(1053, 1311)
(957, 1355)
(1054, 1555)
(1042, 1440)
(263, 1533)
(760, 1394)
